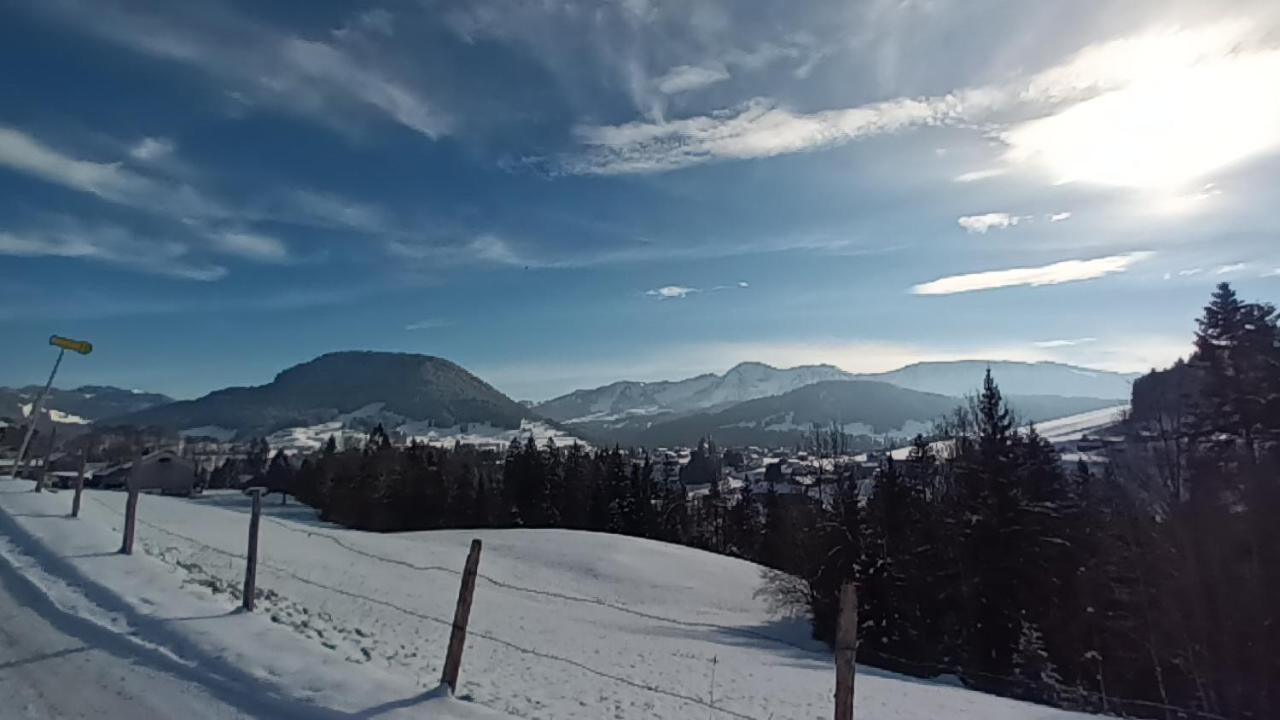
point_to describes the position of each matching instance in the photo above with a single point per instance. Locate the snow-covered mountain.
(626, 399)
(356, 390)
(962, 377)
(864, 409)
(79, 406)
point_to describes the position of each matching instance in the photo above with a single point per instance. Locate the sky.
(558, 194)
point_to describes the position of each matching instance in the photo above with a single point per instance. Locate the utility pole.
(63, 345)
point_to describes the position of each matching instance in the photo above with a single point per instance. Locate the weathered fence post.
(130, 517)
(458, 636)
(251, 566)
(43, 475)
(846, 651)
(75, 501)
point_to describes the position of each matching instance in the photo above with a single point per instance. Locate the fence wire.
(618, 607)
(471, 631)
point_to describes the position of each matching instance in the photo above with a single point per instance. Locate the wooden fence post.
(846, 651)
(251, 566)
(44, 466)
(458, 636)
(130, 517)
(75, 501)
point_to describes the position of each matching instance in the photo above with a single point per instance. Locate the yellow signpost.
(63, 344)
(83, 347)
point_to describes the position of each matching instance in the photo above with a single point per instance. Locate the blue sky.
(558, 194)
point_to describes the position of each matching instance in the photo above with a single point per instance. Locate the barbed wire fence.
(1114, 705)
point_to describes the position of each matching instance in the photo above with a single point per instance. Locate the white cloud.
(151, 149)
(113, 245)
(428, 324)
(671, 292)
(1190, 271)
(1150, 110)
(1059, 217)
(684, 78)
(1064, 343)
(744, 284)
(990, 221)
(108, 180)
(1273, 273)
(483, 248)
(251, 246)
(312, 207)
(759, 128)
(1054, 274)
(976, 175)
(1231, 268)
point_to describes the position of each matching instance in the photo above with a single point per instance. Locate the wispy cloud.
(151, 149)
(252, 246)
(313, 207)
(113, 245)
(110, 181)
(321, 78)
(1091, 116)
(684, 78)
(428, 324)
(672, 292)
(1058, 217)
(976, 175)
(759, 128)
(1053, 274)
(1230, 268)
(980, 224)
(1064, 343)
(1188, 272)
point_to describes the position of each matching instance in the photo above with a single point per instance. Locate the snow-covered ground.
(566, 625)
(1074, 427)
(313, 437)
(1058, 431)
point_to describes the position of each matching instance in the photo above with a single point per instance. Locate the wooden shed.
(163, 471)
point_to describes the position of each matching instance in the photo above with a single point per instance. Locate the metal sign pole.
(35, 415)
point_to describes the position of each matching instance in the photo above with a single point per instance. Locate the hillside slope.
(402, 386)
(566, 625)
(81, 405)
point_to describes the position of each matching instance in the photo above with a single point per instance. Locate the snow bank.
(565, 625)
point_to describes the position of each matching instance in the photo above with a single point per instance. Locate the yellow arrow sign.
(83, 347)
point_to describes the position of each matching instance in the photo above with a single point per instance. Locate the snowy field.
(566, 625)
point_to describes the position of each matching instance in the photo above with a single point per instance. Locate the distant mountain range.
(748, 381)
(626, 398)
(863, 409)
(365, 386)
(80, 406)
(427, 396)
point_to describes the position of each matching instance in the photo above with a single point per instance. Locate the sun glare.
(1166, 130)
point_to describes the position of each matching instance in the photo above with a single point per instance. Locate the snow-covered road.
(56, 666)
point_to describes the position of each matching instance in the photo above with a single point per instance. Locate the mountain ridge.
(751, 380)
(423, 388)
(865, 410)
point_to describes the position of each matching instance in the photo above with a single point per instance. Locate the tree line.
(1153, 577)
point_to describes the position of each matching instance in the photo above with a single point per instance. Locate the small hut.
(165, 472)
